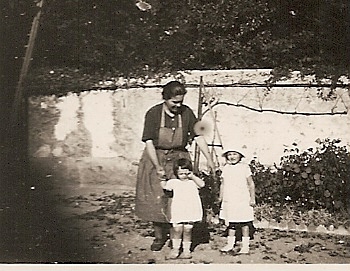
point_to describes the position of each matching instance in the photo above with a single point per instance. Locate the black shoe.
(157, 245)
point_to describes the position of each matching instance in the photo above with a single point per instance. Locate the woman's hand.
(161, 173)
(211, 166)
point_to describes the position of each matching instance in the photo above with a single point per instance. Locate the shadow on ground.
(32, 230)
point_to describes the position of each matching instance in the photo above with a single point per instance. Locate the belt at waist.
(172, 150)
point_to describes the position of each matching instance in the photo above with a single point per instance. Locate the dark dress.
(151, 201)
(170, 136)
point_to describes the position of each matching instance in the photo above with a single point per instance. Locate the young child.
(186, 206)
(237, 192)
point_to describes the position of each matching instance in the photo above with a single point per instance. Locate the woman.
(168, 129)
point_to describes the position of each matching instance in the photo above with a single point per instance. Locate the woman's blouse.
(153, 119)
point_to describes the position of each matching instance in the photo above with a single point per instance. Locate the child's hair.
(183, 163)
(226, 153)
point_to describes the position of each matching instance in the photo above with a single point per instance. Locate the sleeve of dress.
(169, 184)
(149, 129)
(192, 121)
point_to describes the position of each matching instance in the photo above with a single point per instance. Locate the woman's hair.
(173, 89)
(184, 163)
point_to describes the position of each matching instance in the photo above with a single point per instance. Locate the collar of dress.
(167, 111)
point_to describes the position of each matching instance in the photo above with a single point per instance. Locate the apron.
(152, 204)
(170, 138)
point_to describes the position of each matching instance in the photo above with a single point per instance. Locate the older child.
(186, 206)
(237, 193)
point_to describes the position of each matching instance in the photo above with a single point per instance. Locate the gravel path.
(94, 225)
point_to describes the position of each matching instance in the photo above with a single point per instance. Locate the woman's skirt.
(152, 203)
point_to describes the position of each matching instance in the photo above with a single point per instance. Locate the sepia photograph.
(190, 133)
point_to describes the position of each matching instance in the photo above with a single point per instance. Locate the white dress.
(186, 204)
(235, 199)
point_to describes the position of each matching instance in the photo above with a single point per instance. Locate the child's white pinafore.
(235, 203)
(186, 204)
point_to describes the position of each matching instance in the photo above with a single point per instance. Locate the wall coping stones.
(292, 226)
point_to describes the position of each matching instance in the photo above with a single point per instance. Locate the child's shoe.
(243, 250)
(226, 248)
(186, 255)
(174, 254)
(230, 244)
(245, 246)
(186, 250)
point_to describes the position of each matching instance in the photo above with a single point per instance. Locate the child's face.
(233, 157)
(183, 174)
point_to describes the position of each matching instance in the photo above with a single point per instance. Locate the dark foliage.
(210, 192)
(313, 179)
(116, 38)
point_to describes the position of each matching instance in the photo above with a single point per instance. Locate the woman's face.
(233, 157)
(174, 104)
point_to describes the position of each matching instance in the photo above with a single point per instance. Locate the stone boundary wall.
(291, 226)
(94, 136)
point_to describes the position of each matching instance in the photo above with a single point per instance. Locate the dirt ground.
(48, 222)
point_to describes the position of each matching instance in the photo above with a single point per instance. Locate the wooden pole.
(18, 130)
(216, 130)
(199, 116)
(18, 100)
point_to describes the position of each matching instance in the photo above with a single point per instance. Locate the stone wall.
(94, 136)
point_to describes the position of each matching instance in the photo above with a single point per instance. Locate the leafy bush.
(309, 180)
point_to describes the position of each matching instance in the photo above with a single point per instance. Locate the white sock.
(186, 246)
(176, 243)
(245, 241)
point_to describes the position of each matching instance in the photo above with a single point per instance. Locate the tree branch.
(278, 111)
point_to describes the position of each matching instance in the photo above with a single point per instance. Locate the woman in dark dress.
(168, 129)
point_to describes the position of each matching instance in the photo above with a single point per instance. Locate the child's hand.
(215, 220)
(190, 175)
